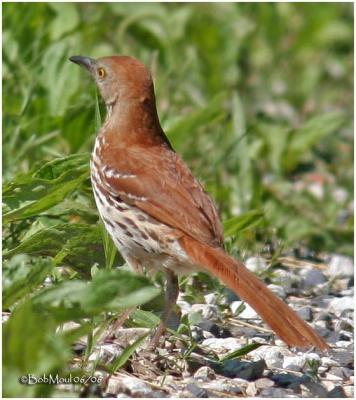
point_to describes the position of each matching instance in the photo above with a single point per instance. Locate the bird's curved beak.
(86, 62)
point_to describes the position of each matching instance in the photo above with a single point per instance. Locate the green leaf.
(241, 352)
(247, 220)
(31, 346)
(126, 354)
(76, 245)
(304, 138)
(181, 127)
(109, 248)
(108, 291)
(144, 319)
(21, 277)
(31, 194)
(67, 18)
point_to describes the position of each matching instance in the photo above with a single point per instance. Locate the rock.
(184, 306)
(272, 355)
(242, 369)
(340, 285)
(337, 392)
(247, 313)
(332, 377)
(343, 357)
(128, 385)
(294, 363)
(264, 383)
(135, 386)
(277, 393)
(256, 264)
(210, 298)
(222, 345)
(208, 311)
(340, 266)
(314, 389)
(204, 374)
(305, 313)
(278, 290)
(214, 329)
(339, 304)
(328, 362)
(341, 372)
(105, 353)
(349, 391)
(251, 389)
(287, 380)
(127, 336)
(231, 386)
(313, 277)
(197, 391)
(287, 279)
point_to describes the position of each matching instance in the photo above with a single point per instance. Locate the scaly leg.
(171, 296)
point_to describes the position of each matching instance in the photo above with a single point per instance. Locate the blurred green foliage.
(258, 98)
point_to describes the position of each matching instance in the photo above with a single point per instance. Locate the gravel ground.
(321, 293)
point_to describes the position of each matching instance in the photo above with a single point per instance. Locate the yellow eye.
(101, 72)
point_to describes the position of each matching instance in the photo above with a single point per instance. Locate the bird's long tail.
(280, 317)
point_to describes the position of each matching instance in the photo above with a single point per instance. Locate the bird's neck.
(134, 122)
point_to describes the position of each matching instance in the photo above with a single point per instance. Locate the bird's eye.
(101, 72)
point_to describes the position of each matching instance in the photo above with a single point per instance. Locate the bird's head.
(119, 78)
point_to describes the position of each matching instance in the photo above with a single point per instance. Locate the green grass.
(258, 99)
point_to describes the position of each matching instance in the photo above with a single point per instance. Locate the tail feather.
(280, 317)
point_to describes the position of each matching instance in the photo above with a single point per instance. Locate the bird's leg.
(171, 296)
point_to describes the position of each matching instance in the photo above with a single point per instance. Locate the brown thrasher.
(157, 213)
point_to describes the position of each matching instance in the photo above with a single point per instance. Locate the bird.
(157, 213)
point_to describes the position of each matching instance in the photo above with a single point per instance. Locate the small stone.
(216, 330)
(287, 279)
(251, 389)
(256, 264)
(344, 357)
(305, 313)
(349, 391)
(204, 374)
(127, 336)
(231, 386)
(332, 377)
(264, 383)
(184, 306)
(337, 392)
(328, 362)
(247, 313)
(106, 353)
(322, 370)
(287, 380)
(341, 372)
(340, 266)
(210, 298)
(314, 388)
(243, 370)
(273, 356)
(294, 363)
(222, 345)
(278, 290)
(135, 387)
(340, 304)
(276, 393)
(313, 277)
(339, 285)
(197, 391)
(208, 311)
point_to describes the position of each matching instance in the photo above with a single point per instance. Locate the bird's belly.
(144, 243)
